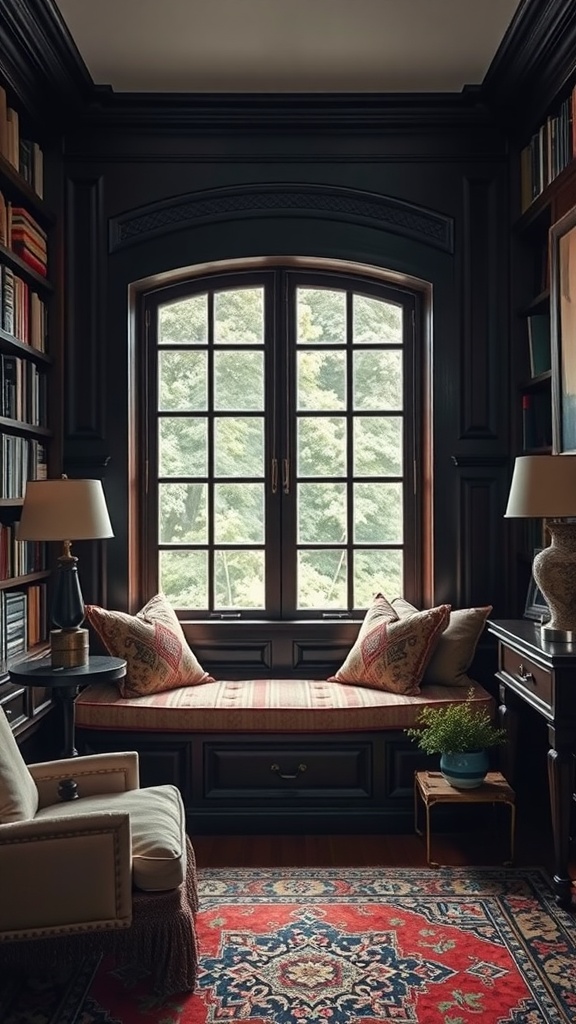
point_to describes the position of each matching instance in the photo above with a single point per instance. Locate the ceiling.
(287, 45)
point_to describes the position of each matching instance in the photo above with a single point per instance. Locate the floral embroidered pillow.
(456, 647)
(391, 653)
(153, 645)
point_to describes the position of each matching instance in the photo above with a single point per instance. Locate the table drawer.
(267, 770)
(528, 677)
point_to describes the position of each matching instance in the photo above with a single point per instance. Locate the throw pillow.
(456, 646)
(153, 645)
(391, 653)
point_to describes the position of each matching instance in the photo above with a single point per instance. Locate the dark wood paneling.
(484, 273)
(85, 451)
(482, 505)
(385, 212)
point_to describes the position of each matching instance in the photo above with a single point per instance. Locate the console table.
(541, 674)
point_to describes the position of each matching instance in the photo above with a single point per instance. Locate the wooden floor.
(533, 848)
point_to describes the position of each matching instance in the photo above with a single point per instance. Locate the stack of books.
(24, 154)
(13, 623)
(28, 240)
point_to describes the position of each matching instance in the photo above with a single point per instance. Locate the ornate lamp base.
(554, 570)
(69, 647)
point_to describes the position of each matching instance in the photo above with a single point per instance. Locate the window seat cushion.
(265, 705)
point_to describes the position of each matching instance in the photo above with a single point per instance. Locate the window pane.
(239, 446)
(321, 513)
(184, 578)
(238, 380)
(322, 579)
(182, 446)
(239, 579)
(321, 380)
(321, 446)
(182, 381)
(378, 446)
(378, 380)
(378, 513)
(184, 322)
(376, 322)
(239, 513)
(182, 513)
(239, 317)
(321, 316)
(377, 571)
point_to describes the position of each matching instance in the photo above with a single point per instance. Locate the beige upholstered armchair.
(109, 872)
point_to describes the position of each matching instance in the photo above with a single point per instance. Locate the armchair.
(109, 872)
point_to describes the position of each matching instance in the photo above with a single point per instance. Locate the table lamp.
(544, 487)
(65, 510)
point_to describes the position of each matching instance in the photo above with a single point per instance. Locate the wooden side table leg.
(417, 828)
(431, 863)
(512, 806)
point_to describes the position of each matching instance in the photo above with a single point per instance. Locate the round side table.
(65, 682)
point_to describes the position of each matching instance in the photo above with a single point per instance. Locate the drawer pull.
(284, 775)
(9, 713)
(523, 675)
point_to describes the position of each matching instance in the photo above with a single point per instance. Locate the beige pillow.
(391, 653)
(18, 792)
(456, 646)
(152, 643)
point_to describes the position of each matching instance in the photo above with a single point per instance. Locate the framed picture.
(563, 332)
(536, 607)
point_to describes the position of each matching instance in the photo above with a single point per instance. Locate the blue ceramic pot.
(465, 771)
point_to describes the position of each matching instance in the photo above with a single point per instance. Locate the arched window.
(282, 422)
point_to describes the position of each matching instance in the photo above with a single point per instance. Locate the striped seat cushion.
(264, 705)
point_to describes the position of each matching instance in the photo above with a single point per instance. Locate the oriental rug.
(364, 945)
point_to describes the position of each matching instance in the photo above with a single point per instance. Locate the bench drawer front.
(302, 770)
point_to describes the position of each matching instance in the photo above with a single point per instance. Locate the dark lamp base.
(69, 647)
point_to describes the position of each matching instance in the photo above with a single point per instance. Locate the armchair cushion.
(157, 826)
(18, 792)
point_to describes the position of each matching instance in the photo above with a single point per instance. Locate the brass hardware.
(286, 476)
(284, 775)
(523, 676)
(274, 476)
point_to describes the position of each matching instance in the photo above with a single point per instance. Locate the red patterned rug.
(365, 945)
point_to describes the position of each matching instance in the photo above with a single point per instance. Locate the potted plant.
(460, 733)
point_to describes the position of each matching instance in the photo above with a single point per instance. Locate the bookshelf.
(26, 362)
(547, 191)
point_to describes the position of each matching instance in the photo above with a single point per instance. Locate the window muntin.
(280, 442)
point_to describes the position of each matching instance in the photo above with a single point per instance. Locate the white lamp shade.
(543, 487)
(64, 510)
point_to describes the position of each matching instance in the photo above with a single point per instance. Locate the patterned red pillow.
(391, 653)
(153, 645)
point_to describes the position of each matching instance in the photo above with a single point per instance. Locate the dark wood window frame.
(307, 643)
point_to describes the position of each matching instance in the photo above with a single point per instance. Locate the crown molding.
(39, 60)
(533, 64)
(353, 113)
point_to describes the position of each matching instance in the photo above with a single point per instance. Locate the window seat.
(273, 754)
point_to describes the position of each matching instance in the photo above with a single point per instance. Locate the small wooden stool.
(433, 789)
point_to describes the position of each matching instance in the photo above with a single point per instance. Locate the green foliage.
(456, 729)
(230, 383)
